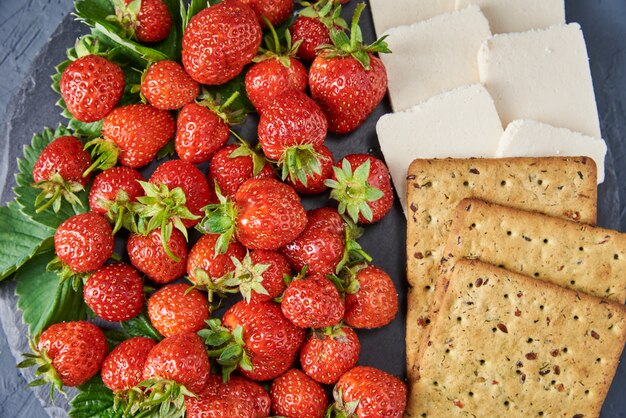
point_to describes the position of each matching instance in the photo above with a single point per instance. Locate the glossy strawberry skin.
(115, 292)
(167, 86)
(296, 395)
(325, 358)
(217, 400)
(203, 256)
(312, 33)
(154, 21)
(178, 173)
(84, 242)
(181, 358)
(200, 133)
(219, 41)
(91, 86)
(345, 91)
(375, 304)
(313, 302)
(273, 278)
(108, 183)
(379, 394)
(315, 182)
(270, 340)
(240, 387)
(270, 214)
(291, 119)
(175, 309)
(123, 367)
(267, 79)
(147, 255)
(139, 131)
(327, 219)
(77, 350)
(66, 156)
(231, 173)
(276, 11)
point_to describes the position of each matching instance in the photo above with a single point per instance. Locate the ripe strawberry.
(67, 354)
(233, 164)
(123, 367)
(115, 292)
(275, 11)
(261, 275)
(313, 302)
(265, 214)
(240, 387)
(147, 255)
(91, 86)
(147, 20)
(374, 301)
(312, 27)
(296, 395)
(366, 392)
(58, 171)
(201, 131)
(328, 219)
(133, 134)
(315, 182)
(329, 353)
(362, 186)
(178, 309)
(348, 81)
(290, 128)
(166, 85)
(208, 404)
(219, 41)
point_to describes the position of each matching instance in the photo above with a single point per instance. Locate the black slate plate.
(33, 108)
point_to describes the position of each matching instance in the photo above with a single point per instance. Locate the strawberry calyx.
(45, 373)
(299, 162)
(244, 150)
(350, 284)
(54, 190)
(273, 48)
(157, 397)
(227, 347)
(327, 12)
(353, 253)
(249, 276)
(335, 332)
(65, 273)
(353, 191)
(221, 286)
(341, 409)
(119, 212)
(126, 16)
(104, 154)
(214, 103)
(220, 219)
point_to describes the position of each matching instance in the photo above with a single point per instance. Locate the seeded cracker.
(507, 345)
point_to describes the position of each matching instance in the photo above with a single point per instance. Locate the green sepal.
(220, 287)
(104, 154)
(341, 409)
(245, 150)
(45, 369)
(228, 110)
(220, 219)
(120, 212)
(274, 49)
(158, 398)
(66, 274)
(353, 253)
(54, 190)
(300, 162)
(227, 347)
(326, 11)
(249, 276)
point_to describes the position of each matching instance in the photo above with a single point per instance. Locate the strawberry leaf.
(94, 400)
(193, 9)
(140, 326)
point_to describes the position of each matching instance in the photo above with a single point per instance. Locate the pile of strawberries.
(305, 281)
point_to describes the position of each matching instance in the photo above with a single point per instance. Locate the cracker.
(556, 186)
(507, 345)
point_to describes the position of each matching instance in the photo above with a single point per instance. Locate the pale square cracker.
(507, 345)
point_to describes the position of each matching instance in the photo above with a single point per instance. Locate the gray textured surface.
(25, 26)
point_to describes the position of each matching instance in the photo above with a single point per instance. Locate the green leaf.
(94, 401)
(43, 299)
(225, 91)
(194, 8)
(140, 326)
(33, 238)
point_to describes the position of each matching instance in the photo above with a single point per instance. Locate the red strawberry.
(166, 85)
(362, 186)
(315, 182)
(290, 128)
(59, 170)
(296, 395)
(219, 41)
(146, 253)
(327, 354)
(210, 405)
(123, 367)
(261, 275)
(91, 86)
(200, 133)
(240, 387)
(206, 267)
(147, 20)
(366, 392)
(348, 81)
(276, 11)
(115, 292)
(233, 164)
(374, 302)
(312, 27)
(313, 302)
(178, 309)
(328, 219)
(265, 214)
(67, 354)
(133, 134)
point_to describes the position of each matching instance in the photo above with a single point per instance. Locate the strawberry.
(315, 181)
(366, 392)
(296, 395)
(362, 186)
(208, 404)
(147, 20)
(240, 387)
(115, 292)
(67, 354)
(260, 276)
(123, 367)
(265, 214)
(372, 300)
(329, 353)
(178, 309)
(147, 255)
(312, 302)
(166, 85)
(328, 219)
(58, 171)
(290, 128)
(112, 193)
(312, 27)
(91, 86)
(273, 11)
(347, 81)
(133, 134)
(233, 164)
(219, 41)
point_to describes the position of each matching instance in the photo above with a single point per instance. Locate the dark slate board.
(604, 24)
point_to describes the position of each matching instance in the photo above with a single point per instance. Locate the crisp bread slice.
(556, 186)
(507, 345)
